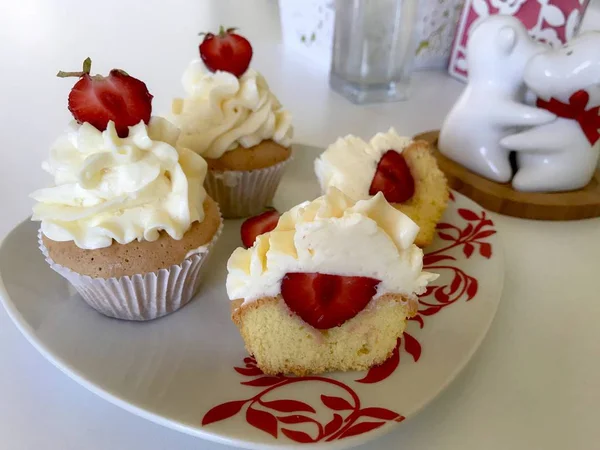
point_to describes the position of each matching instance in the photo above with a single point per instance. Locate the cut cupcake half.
(282, 342)
(403, 170)
(329, 288)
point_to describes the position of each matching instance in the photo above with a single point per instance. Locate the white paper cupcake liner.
(141, 296)
(242, 193)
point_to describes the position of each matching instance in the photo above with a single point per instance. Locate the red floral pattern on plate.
(348, 417)
(436, 297)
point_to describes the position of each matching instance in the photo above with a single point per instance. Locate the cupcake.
(232, 119)
(128, 222)
(405, 171)
(329, 288)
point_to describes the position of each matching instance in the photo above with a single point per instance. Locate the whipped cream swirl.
(110, 188)
(333, 235)
(222, 112)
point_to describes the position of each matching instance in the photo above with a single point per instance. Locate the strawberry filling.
(326, 301)
(393, 178)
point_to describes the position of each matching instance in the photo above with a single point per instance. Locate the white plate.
(190, 368)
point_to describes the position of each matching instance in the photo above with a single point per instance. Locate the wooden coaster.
(502, 198)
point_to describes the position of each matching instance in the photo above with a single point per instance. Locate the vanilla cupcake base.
(241, 193)
(427, 205)
(141, 296)
(281, 342)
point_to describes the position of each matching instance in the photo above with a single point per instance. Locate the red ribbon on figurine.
(588, 119)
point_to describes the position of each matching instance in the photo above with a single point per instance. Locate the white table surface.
(534, 384)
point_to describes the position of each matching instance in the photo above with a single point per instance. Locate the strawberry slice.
(227, 51)
(119, 97)
(257, 225)
(326, 301)
(393, 178)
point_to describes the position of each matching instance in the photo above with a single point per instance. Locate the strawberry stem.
(87, 66)
(223, 32)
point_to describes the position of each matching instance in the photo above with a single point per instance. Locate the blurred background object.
(380, 42)
(307, 28)
(373, 49)
(550, 21)
(436, 26)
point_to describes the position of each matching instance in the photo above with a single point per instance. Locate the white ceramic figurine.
(492, 104)
(562, 155)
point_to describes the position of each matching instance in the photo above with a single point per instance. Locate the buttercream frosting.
(334, 235)
(222, 112)
(110, 188)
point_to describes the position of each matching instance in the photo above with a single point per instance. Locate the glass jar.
(373, 49)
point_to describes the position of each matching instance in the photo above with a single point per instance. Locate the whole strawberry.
(257, 225)
(227, 51)
(118, 97)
